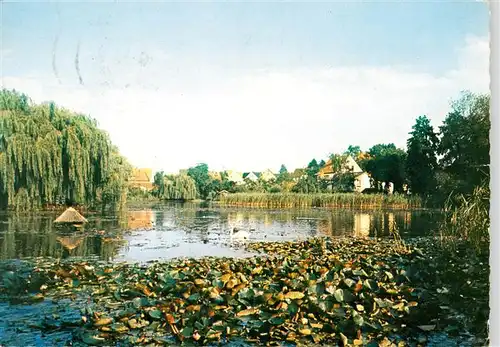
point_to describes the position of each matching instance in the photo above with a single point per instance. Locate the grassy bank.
(342, 200)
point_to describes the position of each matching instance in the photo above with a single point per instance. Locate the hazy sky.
(247, 86)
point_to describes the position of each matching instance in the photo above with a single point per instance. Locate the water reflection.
(188, 230)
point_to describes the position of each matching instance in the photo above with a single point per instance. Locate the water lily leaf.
(119, 328)
(257, 270)
(358, 319)
(389, 275)
(360, 273)
(199, 282)
(293, 308)
(140, 302)
(247, 312)
(277, 320)
(349, 282)
(370, 284)
(187, 331)
(93, 340)
(339, 295)
(294, 295)
(344, 339)
(155, 314)
(194, 297)
(103, 321)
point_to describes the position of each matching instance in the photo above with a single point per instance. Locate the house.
(142, 178)
(252, 176)
(267, 176)
(361, 178)
(362, 182)
(235, 177)
(215, 175)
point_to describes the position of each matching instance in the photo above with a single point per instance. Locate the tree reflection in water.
(106, 236)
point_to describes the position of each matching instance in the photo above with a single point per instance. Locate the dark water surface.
(179, 230)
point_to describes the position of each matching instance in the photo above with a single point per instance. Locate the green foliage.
(200, 175)
(386, 163)
(353, 151)
(51, 156)
(465, 145)
(159, 184)
(343, 182)
(175, 187)
(339, 162)
(136, 194)
(307, 185)
(421, 161)
(313, 168)
(283, 175)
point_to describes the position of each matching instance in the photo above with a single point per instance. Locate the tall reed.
(467, 220)
(340, 200)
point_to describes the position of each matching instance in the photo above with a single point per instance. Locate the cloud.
(172, 117)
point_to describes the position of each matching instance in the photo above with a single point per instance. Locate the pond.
(190, 230)
(166, 232)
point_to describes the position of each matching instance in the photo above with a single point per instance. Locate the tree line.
(437, 163)
(51, 156)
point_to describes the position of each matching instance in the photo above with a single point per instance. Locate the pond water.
(169, 231)
(185, 230)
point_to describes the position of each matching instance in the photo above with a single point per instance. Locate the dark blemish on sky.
(54, 48)
(77, 63)
(54, 65)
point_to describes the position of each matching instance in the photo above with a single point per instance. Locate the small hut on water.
(71, 216)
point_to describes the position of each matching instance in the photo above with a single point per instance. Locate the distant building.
(267, 176)
(361, 178)
(215, 175)
(235, 177)
(252, 176)
(142, 178)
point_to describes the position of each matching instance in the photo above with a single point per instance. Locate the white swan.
(239, 235)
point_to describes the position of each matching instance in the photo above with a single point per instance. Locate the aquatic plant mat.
(315, 292)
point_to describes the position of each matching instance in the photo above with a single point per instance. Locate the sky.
(244, 85)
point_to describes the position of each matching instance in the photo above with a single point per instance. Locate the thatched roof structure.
(71, 216)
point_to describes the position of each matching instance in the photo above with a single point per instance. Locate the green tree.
(386, 163)
(313, 169)
(353, 151)
(51, 156)
(465, 144)
(200, 175)
(339, 162)
(159, 184)
(306, 185)
(179, 187)
(421, 162)
(283, 175)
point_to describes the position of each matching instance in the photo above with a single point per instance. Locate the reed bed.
(468, 221)
(329, 200)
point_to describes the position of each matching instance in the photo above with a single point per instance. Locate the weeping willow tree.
(177, 187)
(51, 156)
